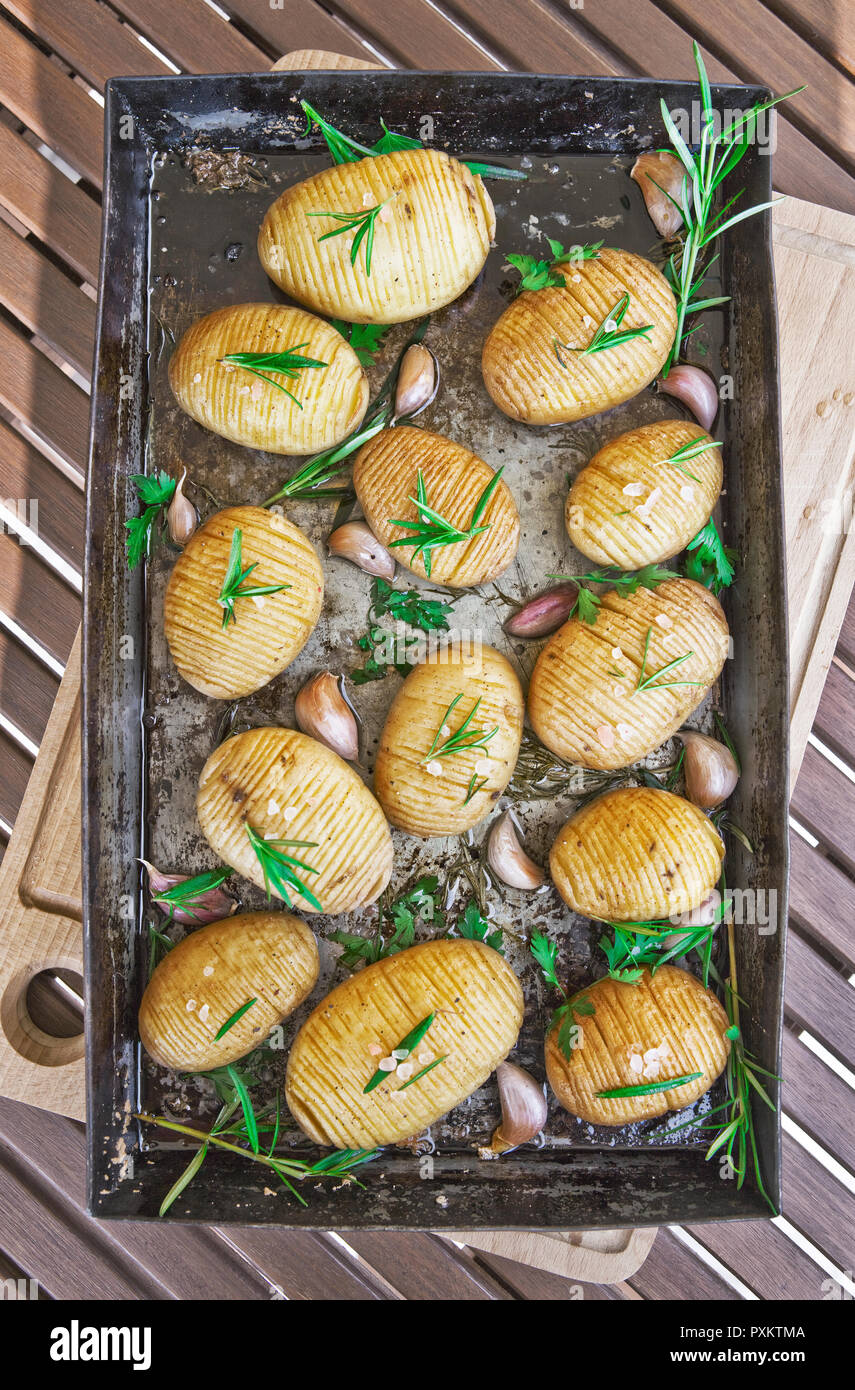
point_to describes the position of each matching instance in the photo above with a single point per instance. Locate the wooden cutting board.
(40, 888)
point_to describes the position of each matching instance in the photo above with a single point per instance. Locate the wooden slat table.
(54, 60)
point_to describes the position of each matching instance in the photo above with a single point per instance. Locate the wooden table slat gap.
(553, 42)
(89, 38)
(822, 900)
(418, 36)
(27, 688)
(809, 19)
(301, 24)
(50, 205)
(45, 301)
(818, 1100)
(192, 35)
(823, 802)
(817, 1204)
(33, 389)
(820, 1000)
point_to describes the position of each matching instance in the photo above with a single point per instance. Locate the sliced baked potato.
(268, 630)
(585, 702)
(385, 476)
(632, 506)
(427, 242)
(664, 1027)
(475, 1004)
(274, 785)
(270, 958)
(535, 363)
(298, 414)
(636, 855)
(448, 701)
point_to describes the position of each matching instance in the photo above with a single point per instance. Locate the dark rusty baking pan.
(179, 240)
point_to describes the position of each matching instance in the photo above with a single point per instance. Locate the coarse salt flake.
(385, 214)
(634, 489)
(445, 730)
(191, 1004)
(635, 1063)
(290, 813)
(606, 735)
(687, 492)
(405, 1071)
(209, 970)
(434, 767)
(258, 600)
(387, 1064)
(400, 1053)
(375, 1049)
(273, 807)
(617, 653)
(255, 390)
(588, 321)
(662, 620)
(576, 278)
(625, 731)
(610, 326)
(204, 1011)
(482, 766)
(198, 376)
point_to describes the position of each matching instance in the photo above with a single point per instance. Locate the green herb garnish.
(230, 1022)
(652, 1089)
(145, 532)
(366, 339)
(232, 584)
(463, 738)
(587, 603)
(287, 363)
(650, 680)
(278, 868)
(545, 953)
(475, 785)
(403, 912)
(607, 334)
(712, 562)
(689, 451)
(539, 275)
(186, 895)
(406, 1045)
(362, 222)
(473, 927)
(433, 530)
(405, 606)
(424, 1071)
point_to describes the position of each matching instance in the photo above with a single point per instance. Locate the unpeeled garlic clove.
(418, 381)
(695, 388)
(660, 176)
(542, 614)
(704, 915)
(355, 541)
(709, 767)
(507, 858)
(181, 516)
(323, 713)
(523, 1108)
(210, 906)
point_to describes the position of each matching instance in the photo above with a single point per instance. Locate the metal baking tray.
(191, 165)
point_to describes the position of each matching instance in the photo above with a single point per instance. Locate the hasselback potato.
(424, 790)
(268, 630)
(630, 507)
(208, 977)
(385, 475)
(534, 361)
(584, 699)
(636, 855)
(283, 785)
(664, 1027)
(477, 1004)
(328, 401)
(431, 236)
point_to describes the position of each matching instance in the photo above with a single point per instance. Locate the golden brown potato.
(584, 702)
(234, 402)
(425, 791)
(529, 367)
(268, 630)
(286, 786)
(478, 1006)
(636, 855)
(385, 475)
(665, 1026)
(270, 957)
(431, 237)
(629, 507)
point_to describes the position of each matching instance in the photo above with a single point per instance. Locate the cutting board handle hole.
(42, 1013)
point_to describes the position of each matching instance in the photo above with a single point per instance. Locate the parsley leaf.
(712, 562)
(539, 275)
(588, 603)
(473, 927)
(145, 532)
(366, 339)
(404, 606)
(404, 913)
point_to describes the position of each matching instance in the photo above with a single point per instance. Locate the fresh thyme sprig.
(233, 582)
(363, 222)
(545, 953)
(718, 155)
(691, 450)
(145, 532)
(344, 150)
(587, 603)
(445, 743)
(607, 334)
(188, 892)
(710, 561)
(278, 868)
(540, 275)
(432, 530)
(287, 363)
(649, 680)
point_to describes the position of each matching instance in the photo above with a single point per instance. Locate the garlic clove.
(322, 712)
(418, 381)
(695, 388)
(507, 858)
(211, 905)
(523, 1108)
(542, 614)
(355, 541)
(181, 516)
(660, 176)
(704, 915)
(710, 769)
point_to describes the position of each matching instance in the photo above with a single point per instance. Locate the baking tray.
(179, 240)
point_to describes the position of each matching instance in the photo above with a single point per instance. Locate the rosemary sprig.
(230, 1022)
(287, 363)
(432, 530)
(344, 150)
(651, 1090)
(710, 561)
(462, 739)
(607, 334)
(278, 868)
(404, 1047)
(587, 603)
(545, 953)
(424, 1071)
(718, 155)
(158, 942)
(649, 680)
(186, 894)
(540, 275)
(475, 785)
(362, 222)
(691, 450)
(145, 532)
(233, 582)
